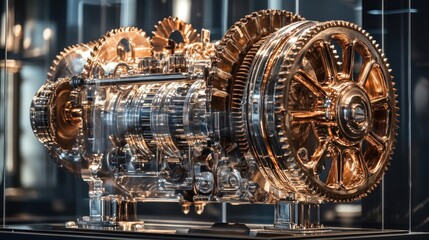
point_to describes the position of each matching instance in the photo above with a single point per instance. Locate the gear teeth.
(67, 63)
(166, 27)
(235, 54)
(312, 185)
(45, 124)
(105, 48)
(238, 92)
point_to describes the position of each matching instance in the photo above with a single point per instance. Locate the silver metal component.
(71, 224)
(205, 182)
(268, 115)
(205, 36)
(354, 112)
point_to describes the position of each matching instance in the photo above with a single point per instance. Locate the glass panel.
(416, 110)
(372, 209)
(397, 182)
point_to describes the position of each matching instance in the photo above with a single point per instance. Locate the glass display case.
(195, 119)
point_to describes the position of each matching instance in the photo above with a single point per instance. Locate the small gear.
(70, 61)
(164, 29)
(126, 45)
(234, 56)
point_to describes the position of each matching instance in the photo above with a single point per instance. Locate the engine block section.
(280, 110)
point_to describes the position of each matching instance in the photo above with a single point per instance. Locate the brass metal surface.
(281, 110)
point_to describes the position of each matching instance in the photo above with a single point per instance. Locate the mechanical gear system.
(281, 110)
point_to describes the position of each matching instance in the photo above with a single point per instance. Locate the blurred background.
(35, 190)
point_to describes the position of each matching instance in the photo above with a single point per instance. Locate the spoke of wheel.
(349, 59)
(318, 153)
(376, 141)
(329, 60)
(364, 73)
(363, 164)
(357, 157)
(310, 83)
(380, 101)
(335, 174)
(306, 116)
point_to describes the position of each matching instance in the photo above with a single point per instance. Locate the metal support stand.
(297, 217)
(284, 215)
(107, 212)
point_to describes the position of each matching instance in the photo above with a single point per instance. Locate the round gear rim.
(50, 125)
(234, 54)
(44, 121)
(70, 61)
(356, 152)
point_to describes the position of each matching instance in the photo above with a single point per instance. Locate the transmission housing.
(281, 111)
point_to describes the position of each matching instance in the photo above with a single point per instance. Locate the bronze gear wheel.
(51, 108)
(70, 61)
(123, 47)
(166, 27)
(329, 121)
(56, 122)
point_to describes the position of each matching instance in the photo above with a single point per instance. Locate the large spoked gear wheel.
(325, 108)
(116, 51)
(353, 113)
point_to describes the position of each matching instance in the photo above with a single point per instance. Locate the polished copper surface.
(339, 111)
(280, 110)
(126, 45)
